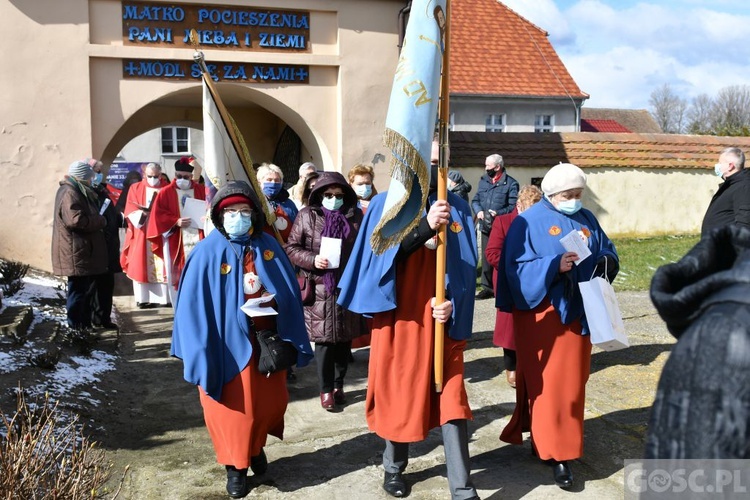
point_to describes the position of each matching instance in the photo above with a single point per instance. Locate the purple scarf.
(335, 226)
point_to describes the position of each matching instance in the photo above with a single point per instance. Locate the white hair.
(307, 166)
(264, 169)
(496, 159)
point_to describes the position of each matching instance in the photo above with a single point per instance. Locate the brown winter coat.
(326, 321)
(78, 244)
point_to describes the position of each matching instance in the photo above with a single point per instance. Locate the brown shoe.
(511, 377)
(326, 401)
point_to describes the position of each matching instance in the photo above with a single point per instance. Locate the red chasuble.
(133, 257)
(164, 214)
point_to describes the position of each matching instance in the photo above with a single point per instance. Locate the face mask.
(332, 203)
(717, 170)
(363, 190)
(237, 225)
(569, 207)
(271, 189)
(97, 179)
(153, 181)
(183, 183)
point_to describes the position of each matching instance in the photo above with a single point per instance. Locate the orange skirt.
(251, 407)
(402, 404)
(554, 363)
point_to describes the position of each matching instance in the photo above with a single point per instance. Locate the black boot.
(563, 475)
(236, 482)
(394, 484)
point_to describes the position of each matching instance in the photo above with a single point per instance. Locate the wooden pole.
(442, 193)
(226, 118)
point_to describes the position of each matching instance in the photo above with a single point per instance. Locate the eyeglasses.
(338, 196)
(233, 211)
(188, 176)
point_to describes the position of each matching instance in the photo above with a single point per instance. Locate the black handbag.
(275, 353)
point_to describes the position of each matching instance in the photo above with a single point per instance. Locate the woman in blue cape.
(216, 339)
(538, 282)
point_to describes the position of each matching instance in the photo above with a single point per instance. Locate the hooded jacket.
(326, 321)
(702, 404)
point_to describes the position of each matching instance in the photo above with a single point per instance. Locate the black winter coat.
(730, 204)
(115, 221)
(702, 404)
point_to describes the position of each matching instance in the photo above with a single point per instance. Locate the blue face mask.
(332, 203)
(717, 170)
(569, 207)
(363, 190)
(271, 189)
(97, 179)
(237, 225)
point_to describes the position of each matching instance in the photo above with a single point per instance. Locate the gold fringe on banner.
(251, 174)
(406, 164)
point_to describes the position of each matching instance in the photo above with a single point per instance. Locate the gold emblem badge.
(268, 255)
(225, 268)
(456, 227)
(555, 230)
(586, 232)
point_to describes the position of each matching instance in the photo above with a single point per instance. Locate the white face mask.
(153, 181)
(183, 183)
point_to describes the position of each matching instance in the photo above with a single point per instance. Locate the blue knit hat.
(80, 170)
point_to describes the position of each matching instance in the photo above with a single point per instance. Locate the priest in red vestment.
(137, 260)
(176, 224)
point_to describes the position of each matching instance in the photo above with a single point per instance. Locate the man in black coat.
(496, 195)
(731, 203)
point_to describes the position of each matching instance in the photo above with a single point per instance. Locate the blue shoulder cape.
(368, 283)
(211, 333)
(529, 267)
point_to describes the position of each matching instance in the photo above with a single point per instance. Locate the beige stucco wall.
(65, 98)
(635, 201)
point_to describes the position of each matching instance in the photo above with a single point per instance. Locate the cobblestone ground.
(153, 432)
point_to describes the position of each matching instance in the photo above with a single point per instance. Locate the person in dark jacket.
(332, 213)
(132, 177)
(271, 180)
(103, 285)
(457, 184)
(79, 248)
(702, 404)
(731, 203)
(496, 195)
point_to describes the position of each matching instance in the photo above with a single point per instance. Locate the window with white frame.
(494, 123)
(544, 123)
(175, 140)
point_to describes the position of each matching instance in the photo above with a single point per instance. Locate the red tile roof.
(496, 52)
(587, 149)
(602, 126)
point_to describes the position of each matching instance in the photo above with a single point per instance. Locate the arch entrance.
(273, 132)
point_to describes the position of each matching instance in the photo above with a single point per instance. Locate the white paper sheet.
(330, 248)
(576, 242)
(253, 307)
(196, 210)
(135, 218)
(104, 206)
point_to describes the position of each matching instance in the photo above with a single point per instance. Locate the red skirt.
(554, 363)
(251, 407)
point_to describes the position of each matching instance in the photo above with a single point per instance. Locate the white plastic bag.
(603, 315)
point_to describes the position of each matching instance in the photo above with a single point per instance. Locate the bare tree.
(700, 115)
(668, 109)
(732, 110)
